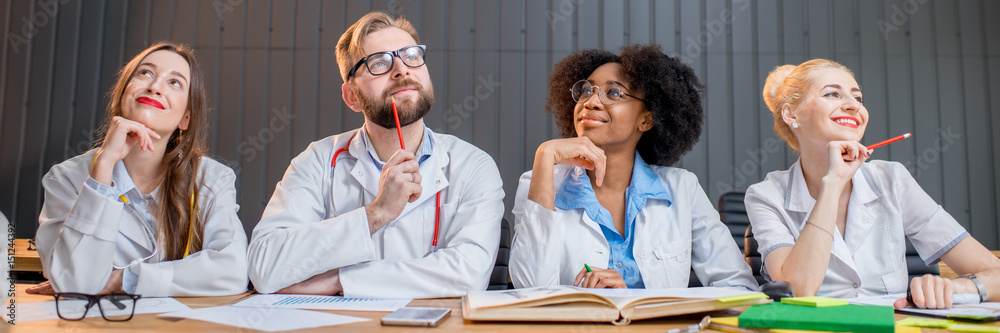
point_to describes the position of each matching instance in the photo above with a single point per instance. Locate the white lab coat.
(870, 260)
(551, 247)
(81, 233)
(316, 222)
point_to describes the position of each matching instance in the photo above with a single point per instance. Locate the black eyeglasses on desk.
(113, 307)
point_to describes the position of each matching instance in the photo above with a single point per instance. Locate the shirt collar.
(576, 191)
(645, 181)
(423, 152)
(797, 197)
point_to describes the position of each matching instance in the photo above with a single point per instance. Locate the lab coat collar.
(797, 197)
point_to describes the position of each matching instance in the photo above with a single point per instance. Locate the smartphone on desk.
(416, 316)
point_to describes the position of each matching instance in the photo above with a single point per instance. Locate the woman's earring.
(795, 125)
(180, 152)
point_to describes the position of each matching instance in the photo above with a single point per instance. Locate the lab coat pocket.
(675, 263)
(897, 281)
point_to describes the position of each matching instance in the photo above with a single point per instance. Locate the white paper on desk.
(884, 300)
(981, 309)
(47, 310)
(988, 309)
(264, 319)
(320, 302)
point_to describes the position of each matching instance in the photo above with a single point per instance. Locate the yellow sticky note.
(926, 322)
(742, 297)
(973, 328)
(907, 329)
(731, 321)
(814, 301)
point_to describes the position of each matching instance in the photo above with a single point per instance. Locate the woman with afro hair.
(602, 207)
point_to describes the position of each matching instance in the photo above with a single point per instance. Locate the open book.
(618, 306)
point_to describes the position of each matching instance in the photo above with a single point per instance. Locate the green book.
(846, 318)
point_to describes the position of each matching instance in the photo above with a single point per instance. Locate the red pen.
(399, 129)
(883, 143)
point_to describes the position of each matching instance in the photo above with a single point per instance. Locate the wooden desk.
(454, 323)
(152, 323)
(24, 260)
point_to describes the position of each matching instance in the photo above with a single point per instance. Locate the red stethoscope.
(437, 201)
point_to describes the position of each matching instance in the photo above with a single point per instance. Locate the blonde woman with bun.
(834, 223)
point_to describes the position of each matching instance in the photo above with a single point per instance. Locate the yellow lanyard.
(187, 247)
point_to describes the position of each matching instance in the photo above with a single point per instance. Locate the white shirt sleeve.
(769, 228)
(533, 260)
(77, 231)
(715, 258)
(928, 226)
(294, 240)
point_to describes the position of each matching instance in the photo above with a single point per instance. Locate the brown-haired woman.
(145, 212)
(834, 225)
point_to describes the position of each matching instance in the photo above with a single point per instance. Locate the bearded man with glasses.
(358, 214)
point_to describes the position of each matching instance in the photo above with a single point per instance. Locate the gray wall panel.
(12, 122)
(932, 69)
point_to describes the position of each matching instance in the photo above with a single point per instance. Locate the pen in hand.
(588, 271)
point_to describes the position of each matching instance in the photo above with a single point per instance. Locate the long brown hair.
(181, 160)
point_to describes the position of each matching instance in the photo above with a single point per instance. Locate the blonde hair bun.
(773, 83)
(788, 85)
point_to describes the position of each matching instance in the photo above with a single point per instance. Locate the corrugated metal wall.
(927, 67)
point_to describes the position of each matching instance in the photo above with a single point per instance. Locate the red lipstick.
(150, 102)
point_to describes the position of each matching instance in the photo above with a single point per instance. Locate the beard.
(379, 109)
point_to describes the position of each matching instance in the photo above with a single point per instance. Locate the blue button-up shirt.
(576, 192)
(423, 153)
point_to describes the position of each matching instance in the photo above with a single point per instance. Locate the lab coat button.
(855, 285)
